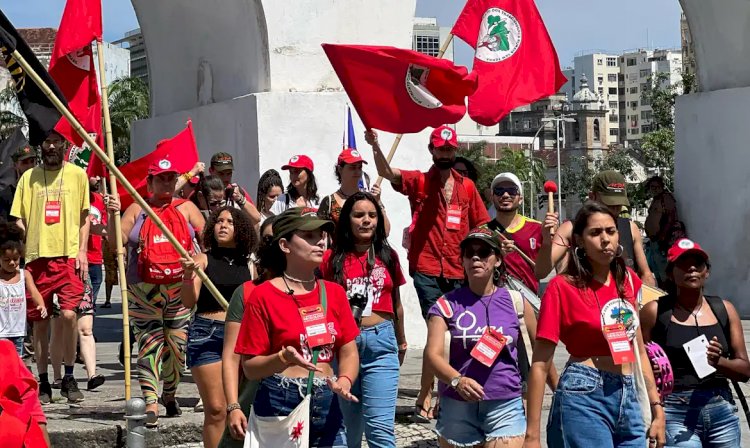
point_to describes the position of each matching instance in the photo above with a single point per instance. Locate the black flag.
(39, 110)
(8, 147)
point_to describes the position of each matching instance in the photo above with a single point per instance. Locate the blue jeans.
(96, 276)
(698, 418)
(278, 396)
(593, 408)
(430, 289)
(376, 388)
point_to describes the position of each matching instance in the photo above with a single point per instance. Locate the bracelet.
(242, 201)
(281, 357)
(656, 403)
(351, 383)
(187, 176)
(188, 280)
(233, 407)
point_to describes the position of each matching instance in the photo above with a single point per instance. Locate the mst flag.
(401, 91)
(181, 150)
(515, 60)
(40, 113)
(72, 67)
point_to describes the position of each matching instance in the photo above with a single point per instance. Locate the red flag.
(514, 59)
(72, 67)
(181, 150)
(401, 91)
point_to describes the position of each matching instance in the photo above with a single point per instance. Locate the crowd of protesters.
(329, 260)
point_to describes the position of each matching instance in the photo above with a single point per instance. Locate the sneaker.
(70, 390)
(199, 406)
(57, 384)
(107, 305)
(45, 393)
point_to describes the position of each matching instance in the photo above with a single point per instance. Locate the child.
(13, 284)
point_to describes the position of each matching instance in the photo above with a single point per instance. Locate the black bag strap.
(316, 351)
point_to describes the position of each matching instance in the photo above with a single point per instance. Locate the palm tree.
(11, 115)
(128, 101)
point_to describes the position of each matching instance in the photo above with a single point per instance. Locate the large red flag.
(401, 91)
(181, 150)
(72, 67)
(514, 59)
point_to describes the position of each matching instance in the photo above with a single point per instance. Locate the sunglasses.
(215, 203)
(499, 191)
(482, 252)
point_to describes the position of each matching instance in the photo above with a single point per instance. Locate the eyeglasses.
(482, 252)
(215, 203)
(499, 191)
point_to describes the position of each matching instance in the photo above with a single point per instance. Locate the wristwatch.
(455, 381)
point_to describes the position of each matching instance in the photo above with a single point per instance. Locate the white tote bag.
(291, 431)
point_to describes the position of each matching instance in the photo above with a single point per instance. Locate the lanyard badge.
(453, 219)
(52, 212)
(316, 328)
(619, 344)
(489, 347)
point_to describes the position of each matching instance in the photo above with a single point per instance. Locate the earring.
(620, 251)
(581, 254)
(496, 275)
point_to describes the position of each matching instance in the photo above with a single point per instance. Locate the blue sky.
(575, 25)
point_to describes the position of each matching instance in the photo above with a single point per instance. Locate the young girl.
(14, 283)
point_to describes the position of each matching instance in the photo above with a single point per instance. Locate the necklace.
(343, 195)
(296, 280)
(695, 312)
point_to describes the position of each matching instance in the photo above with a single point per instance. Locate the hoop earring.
(620, 251)
(496, 275)
(582, 254)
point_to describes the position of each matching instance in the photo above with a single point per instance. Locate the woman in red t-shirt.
(596, 401)
(277, 347)
(369, 270)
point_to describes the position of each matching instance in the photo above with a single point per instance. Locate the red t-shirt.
(272, 321)
(575, 316)
(528, 237)
(355, 273)
(98, 215)
(434, 249)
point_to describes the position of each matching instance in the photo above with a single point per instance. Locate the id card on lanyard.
(453, 213)
(52, 208)
(316, 325)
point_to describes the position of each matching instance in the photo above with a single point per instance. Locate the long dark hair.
(268, 180)
(311, 189)
(265, 272)
(206, 185)
(579, 269)
(244, 233)
(345, 241)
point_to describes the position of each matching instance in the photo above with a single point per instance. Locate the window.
(634, 90)
(645, 101)
(645, 73)
(526, 124)
(635, 131)
(599, 62)
(646, 128)
(600, 79)
(645, 87)
(601, 91)
(611, 62)
(634, 104)
(613, 118)
(597, 133)
(613, 104)
(429, 45)
(614, 132)
(576, 132)
(612, 77)
(632, 62)
(647, 115)
(621, 91)
(613, 90)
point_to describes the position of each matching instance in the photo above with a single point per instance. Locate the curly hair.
(311, 189)
(244, 233)
(11, 237)
(268, 180)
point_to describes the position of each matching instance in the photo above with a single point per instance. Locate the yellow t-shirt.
(68, 185)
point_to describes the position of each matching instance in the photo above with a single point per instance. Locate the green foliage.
(510, 160)
(128, 101)
(658, 153)
(11, 116)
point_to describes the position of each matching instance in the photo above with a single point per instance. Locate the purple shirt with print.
(502, 381)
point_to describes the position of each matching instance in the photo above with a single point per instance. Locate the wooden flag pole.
(120, 177)
(118, 225)
(396, 142)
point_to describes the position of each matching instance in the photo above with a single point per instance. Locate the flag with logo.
(401, 91)
(41, 114)
(72, 67)
(514, 57)
(181, 151)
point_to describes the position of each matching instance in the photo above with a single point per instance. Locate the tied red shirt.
(380, 281)
(576, 316)
(527, 236)
(434, 249)
(272, 321)
(98, 216)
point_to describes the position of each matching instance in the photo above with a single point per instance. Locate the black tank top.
(626, 241)
(227, 271)
(671, 339)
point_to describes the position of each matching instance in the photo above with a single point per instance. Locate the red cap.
(682, 247)
(300, 162)
(350, 156)
(161, 166)
(550, 187)
(443, 136)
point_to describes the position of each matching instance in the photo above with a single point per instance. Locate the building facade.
(602, 71)
(134, 43)
(688, 51)
(428, 36)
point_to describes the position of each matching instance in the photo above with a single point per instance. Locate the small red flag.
(515, 59)
(181, 150)
(72, 67)
(401, 91)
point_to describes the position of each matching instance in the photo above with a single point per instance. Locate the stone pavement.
(98, 421)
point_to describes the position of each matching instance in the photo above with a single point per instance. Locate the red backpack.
(158, 261)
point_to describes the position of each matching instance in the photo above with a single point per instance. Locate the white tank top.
(13, 308)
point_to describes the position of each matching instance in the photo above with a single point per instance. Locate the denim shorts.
(430, 288)
(205, 341)
(594, 408)
(278, 396)
(697, 418)
(462, 423)
(17, 342)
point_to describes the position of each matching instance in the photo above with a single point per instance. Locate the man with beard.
(51, 204)
(445, 205)
(23, 159)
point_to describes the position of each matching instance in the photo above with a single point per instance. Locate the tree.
(579, 173)
(128, 101)
(11, 115)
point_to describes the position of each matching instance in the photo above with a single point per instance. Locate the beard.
(53, 158)
(444, 164)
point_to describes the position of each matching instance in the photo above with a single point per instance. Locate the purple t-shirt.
(466, 315)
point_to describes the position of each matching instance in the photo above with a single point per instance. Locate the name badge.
(316, 328)
(52, 212)
(453, 219)
(619, 344)
(488, 347)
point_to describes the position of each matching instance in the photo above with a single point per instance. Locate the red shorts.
(54, 276)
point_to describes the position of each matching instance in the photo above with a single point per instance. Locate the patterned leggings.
(160, 324)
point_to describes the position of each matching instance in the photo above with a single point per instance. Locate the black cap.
(483, 234)
(222, 161)
(23, 153)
